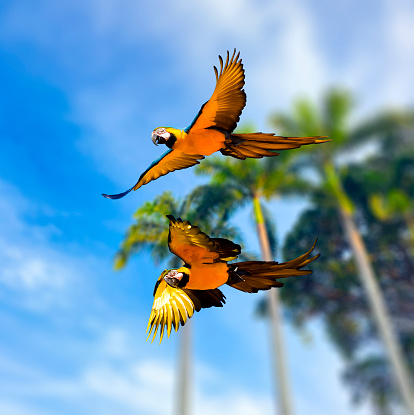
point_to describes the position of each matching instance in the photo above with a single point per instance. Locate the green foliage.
(270, 226)
(371, 377)
(394, 203)
(379, 192)
(243, 181)
(334, 294)
(336, 112)
(150, 230)
(392, 130)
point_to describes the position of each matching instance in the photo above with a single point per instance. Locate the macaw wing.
(195, 247)
(206, 298)
(226, 249)
(171, 307)
(226, 104)
(169, 161)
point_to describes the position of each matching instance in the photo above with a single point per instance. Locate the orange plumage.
(179, 292)
(212, 130)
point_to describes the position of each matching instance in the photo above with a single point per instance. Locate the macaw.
(193, 286)
(212, 130)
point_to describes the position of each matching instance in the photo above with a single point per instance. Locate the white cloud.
(281, 58)
(24, 271)
(277, 42)
(142, 384)
(234, 403)
(34, 272)
(128, 385)
(398, 62)
(280, 43)
(16, 408)
(115, 342)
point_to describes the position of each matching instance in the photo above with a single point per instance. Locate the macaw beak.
(155, 138)
(173, 278)
(160, 136)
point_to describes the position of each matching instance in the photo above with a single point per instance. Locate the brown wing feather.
(254, 276)
(206, 298)
(226, 104)
(227, 250)
(195, 247)
(258, 145)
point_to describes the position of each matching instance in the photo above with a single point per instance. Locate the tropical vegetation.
(360, 189)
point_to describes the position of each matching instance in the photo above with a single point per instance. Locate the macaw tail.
(254, 276)
(258, 145)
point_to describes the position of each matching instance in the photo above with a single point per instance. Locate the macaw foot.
(173, 278)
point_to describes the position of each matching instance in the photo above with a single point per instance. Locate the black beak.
(171, 281)
(154, 138)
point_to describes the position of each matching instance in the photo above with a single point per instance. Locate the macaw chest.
(208, 276)
(204, 142)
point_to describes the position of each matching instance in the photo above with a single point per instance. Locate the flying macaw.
(212, 130)
(193, 286)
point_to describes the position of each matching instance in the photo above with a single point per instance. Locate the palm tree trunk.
(379, 309)
(277, 343)
(410, 226)
(183, 389)
(369, 281)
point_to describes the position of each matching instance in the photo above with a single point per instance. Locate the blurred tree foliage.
(380, 192)
(250, 182)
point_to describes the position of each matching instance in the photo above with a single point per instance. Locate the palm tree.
(249, 181)
(332, 120)
(394, 200)
(150, 232)
(336, 297)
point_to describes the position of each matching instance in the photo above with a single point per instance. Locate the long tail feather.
(254, 276)
(258, 145)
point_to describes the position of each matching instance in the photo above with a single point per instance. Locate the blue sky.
(83, 85)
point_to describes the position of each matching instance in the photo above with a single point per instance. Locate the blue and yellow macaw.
(193, 286)
(212, 130)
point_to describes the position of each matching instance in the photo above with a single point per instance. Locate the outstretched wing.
(173, 306)
(169, 161)
(226, 104)
(195, 247)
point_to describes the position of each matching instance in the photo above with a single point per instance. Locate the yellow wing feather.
(171, 306)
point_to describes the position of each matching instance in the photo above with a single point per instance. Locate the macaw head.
(166, 135)
(160, 136)
(172, 277)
